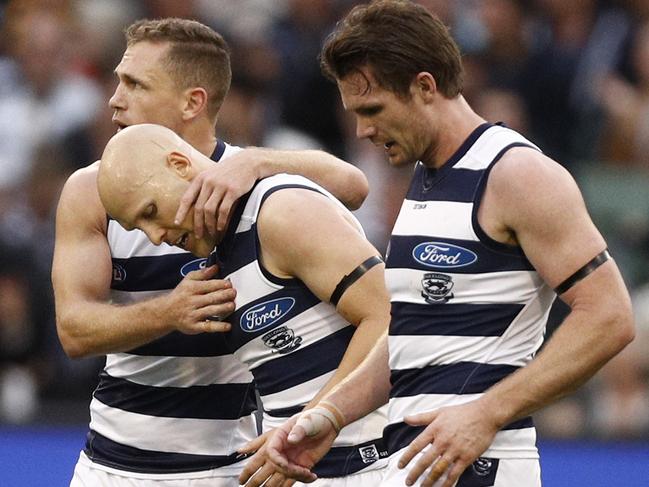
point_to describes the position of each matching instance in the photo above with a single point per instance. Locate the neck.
(455, 122)
(201, 134)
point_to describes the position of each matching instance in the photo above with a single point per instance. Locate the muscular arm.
(532, 201)
(553, 227)
(213, 192)
(86, 322)
(304, 235)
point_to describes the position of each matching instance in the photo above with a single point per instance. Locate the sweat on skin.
(143, 173)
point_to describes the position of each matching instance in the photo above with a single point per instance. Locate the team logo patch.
(119, 273)
(442, 255)
(482, 466)
(282, 340)
(369, 454)
(436, 287)
(193, 265)
(265, 314)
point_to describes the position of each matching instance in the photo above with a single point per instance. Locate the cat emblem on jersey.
(369, 454)
(436, 287)
(282, 340)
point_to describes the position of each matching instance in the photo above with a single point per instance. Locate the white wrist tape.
(313, 421)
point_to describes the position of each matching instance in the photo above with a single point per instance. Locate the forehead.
(144, 59)
(360, 88)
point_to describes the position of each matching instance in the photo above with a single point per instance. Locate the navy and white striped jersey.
(181, 403)
(292, 341)
(466, 310)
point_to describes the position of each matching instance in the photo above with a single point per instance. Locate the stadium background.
(571, 75)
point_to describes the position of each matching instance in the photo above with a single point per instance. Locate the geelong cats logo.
(265, 314)
(282, 340)
(436, 287)
(442, 255)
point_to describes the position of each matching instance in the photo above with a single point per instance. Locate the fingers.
(422, 441)
(187, 200)
(430, 457)
(203, 274)
(252, 466)
(258, 477)
(210, 326)
(254, 445)
(423, 419)
(454, 474)
(224, 212)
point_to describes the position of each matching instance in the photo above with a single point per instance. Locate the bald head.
(143, 173)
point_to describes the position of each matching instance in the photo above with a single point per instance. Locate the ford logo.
(265, 314)
(443, 255)
(193, 265)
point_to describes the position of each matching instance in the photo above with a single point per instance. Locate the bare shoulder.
(79, 199)
(526, 183)
(290, 207)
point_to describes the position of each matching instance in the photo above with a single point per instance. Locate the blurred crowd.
(571, 75)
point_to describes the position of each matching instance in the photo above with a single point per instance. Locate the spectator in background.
(41, 98)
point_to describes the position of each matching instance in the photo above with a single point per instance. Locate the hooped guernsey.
(180, 405)
(467, 311)
(291, 340)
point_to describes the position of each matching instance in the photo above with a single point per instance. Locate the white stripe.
(172, 435)
(255, 285)
(415, 352)
(487, 147)
(135, 243)
(405, 286)
(299, 394)
(399, 407)
(449, 219)
(177, 371)
(516, 443)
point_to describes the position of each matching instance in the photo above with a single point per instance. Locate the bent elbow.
(72, 345)
(623, 329)
(361, 190)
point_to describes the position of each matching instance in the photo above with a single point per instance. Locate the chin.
(202, 248)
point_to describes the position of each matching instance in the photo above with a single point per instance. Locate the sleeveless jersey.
(467, 311)
(181, 403)
(291, 341)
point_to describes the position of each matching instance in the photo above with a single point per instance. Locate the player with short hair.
(172, 404)
(490, 232)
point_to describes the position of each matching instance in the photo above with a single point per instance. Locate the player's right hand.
(200, 303)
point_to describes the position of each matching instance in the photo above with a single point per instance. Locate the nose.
(155, 234)
(364, 130)
(117, 100)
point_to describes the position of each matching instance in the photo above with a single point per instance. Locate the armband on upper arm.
(352, 277)
(597, 261)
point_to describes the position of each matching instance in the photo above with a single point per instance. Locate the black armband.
(583, 272)
(351, 278)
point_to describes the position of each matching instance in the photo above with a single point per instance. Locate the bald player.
(309, 307)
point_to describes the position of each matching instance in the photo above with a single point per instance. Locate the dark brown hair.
(396, 39)
(198, 56)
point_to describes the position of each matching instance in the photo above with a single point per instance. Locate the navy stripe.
(151, 273)
(177, 344)
(488, 320)
(459, 185)
(285, 412)
(215, 401)
(400, 435)
(303, 364)
(478, 259)
(304, 300)
(106, 452)
(346, 460)
(458, 378)
(218, 150)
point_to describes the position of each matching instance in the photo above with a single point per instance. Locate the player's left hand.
(214, 191)
(259, 468)
(454, 438)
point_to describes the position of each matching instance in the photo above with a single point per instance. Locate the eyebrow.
(130, 78)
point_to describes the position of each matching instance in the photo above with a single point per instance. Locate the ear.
(180, 164)
(425, 86)
(195, 103)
